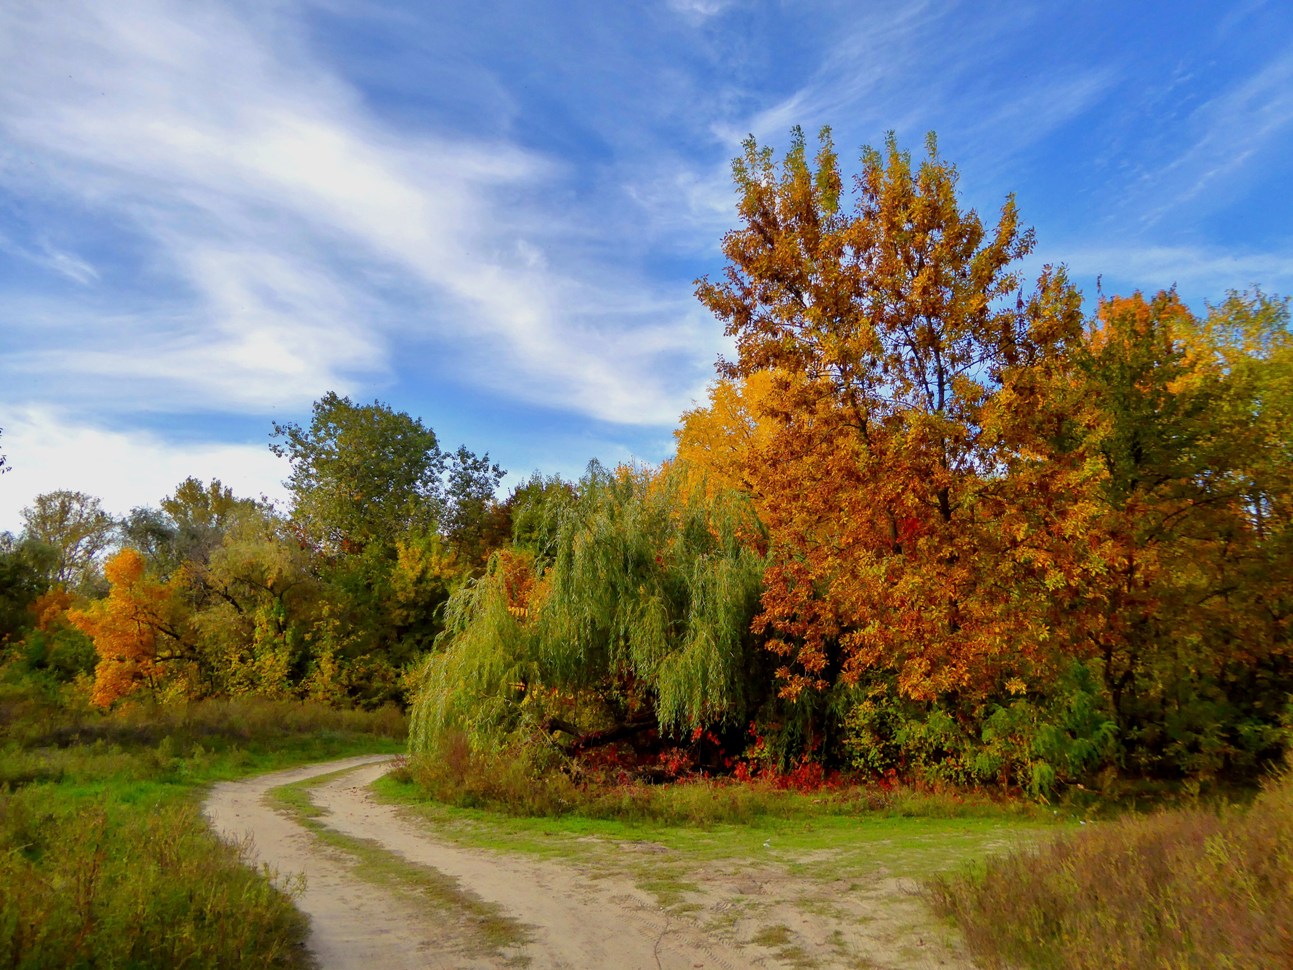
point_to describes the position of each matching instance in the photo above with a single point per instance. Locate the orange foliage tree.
(916, 460)
(135, 629)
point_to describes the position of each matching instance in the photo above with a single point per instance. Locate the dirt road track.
(574, 923)
(575, 918)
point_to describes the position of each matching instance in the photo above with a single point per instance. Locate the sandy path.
(578, 915)
(574, 922)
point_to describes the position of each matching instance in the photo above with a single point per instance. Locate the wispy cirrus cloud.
(276, 208)
(1226, 134)
(1199, 272)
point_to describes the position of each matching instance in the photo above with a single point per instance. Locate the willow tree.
(638, 619)
(915, 463)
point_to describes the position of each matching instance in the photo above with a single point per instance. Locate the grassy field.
(105, 859)
(1191, 884)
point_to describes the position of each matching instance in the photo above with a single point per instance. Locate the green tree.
(202, 514)
(361, 474)
(471, 519)
(25, 568)
(77, 528)
(638, 621)
(1194, 621)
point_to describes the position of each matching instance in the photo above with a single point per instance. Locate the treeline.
(214, 595)
(932, 522)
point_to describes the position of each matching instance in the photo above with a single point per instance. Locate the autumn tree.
(719, 441)
(917, 472)
(137, 633)
(1195, 611)
(256, 604)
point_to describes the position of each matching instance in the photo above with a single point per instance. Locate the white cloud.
(49, 256)
(213, 133)
(699, 9)
(1198, 273)
(47, 452)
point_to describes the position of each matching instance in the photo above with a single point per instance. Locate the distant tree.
(470, 499)
(256, 601)
(534, 509)
(153, 534)
(361, 474)
(138, 632)
(78, 529)
(3, 466)
(202, 513)
(25, 568)
(190, 524)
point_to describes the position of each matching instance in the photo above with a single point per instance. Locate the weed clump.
(97, 886)
(105, 859)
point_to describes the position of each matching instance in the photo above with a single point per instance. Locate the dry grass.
(1183, 888)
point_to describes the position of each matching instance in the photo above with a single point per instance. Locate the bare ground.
(586, 914)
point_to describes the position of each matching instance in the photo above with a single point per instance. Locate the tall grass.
(105, 860)
(1181, 888)
(96, 886)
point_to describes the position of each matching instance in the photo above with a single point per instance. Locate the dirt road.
(573, 915)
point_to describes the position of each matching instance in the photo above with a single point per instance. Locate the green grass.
(819, 837)
(441, 898)
(105, 859)
(807, 839)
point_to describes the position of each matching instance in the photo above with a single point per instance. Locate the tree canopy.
(361, 473)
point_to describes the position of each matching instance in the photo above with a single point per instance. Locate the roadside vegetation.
(1185, 887)
(105, 858)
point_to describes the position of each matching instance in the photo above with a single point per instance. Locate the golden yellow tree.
(136, 631)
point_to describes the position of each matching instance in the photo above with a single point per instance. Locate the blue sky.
(491, 215)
